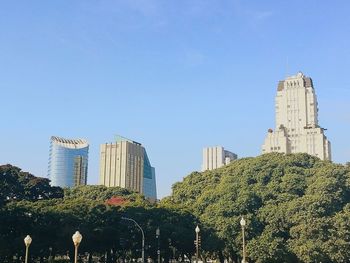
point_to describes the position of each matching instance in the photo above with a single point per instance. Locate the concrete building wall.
(297, 128)
(123, 164)
(216, 157)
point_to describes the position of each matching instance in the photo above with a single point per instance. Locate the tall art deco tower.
(297, 129)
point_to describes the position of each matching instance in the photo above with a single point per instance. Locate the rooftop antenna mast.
(287, 66)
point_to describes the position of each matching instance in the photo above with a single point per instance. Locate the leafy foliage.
(297, 209)
(18, 185)
(295, 206)
(52, 221)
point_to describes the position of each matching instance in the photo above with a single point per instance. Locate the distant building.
(68, 162)
(125, 164)
(297, 129)
(216, 157)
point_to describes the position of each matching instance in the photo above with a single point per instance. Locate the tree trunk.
(115, 255)
(71, 255)
(221, 257)
(108, 256)
(189, 256)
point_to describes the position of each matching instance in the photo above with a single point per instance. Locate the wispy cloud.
(257, 18)
(193, 58)
(262, 15)
(254, 16)
(144, 7)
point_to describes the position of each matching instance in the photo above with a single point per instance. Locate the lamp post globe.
(242, 222)
(77, 237)
(27, 240)
(197, 229)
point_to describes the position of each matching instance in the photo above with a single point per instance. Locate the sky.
(175, 76)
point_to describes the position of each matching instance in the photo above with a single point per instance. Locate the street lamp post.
(158, 243)
(172, 247)
(27, 242)
(143, 237)
(243, 224)
(50, 258)
(197, 243)
(77, 237)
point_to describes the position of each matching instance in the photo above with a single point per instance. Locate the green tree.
(296, 207)
(18, 185)
(291, 203)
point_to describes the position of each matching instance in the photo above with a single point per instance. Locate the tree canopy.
(52, 219)
(297, 207)
(18, 185)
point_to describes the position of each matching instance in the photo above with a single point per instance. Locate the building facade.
(125, 164)
(216, 157)
(297, 129)
(68, 162)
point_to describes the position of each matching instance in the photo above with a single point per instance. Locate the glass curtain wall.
(68, 162)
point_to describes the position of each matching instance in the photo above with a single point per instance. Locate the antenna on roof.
(287, 65)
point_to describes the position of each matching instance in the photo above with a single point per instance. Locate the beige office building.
(297, 129)
(121, 164)
(216, 157)
(125, 164)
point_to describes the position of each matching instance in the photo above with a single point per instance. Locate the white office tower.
(297, 128)
(215, 157)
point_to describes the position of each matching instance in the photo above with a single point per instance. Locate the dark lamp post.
(158, 243)
(143, 236)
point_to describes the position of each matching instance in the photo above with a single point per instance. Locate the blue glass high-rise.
(68, 162)
(149, 179)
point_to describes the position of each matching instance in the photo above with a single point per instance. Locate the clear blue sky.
(173, 75)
